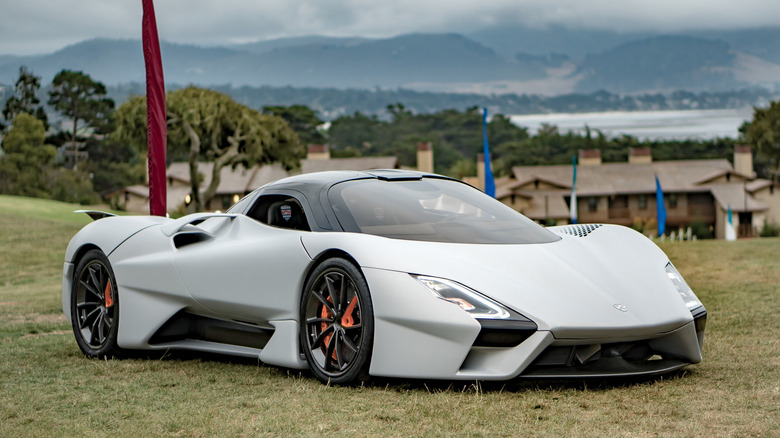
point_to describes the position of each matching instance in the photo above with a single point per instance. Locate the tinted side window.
(239, 206)
(432, 210)
(280, 211)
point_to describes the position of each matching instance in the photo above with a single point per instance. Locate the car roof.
(334, 177)
(314, 186)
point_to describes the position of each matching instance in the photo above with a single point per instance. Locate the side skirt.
(186, 326)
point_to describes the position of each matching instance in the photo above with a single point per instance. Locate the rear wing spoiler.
(95, 214)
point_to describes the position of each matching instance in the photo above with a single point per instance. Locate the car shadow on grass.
(518, 384)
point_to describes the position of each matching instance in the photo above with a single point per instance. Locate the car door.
(244, 270)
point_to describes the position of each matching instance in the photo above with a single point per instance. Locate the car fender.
(108, 233)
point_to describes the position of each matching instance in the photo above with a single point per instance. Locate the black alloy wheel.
(95, 306)
(337, 323)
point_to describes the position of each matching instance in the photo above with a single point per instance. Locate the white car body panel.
(605, 286)
(581, 283)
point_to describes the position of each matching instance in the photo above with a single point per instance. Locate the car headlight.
(471, 301)
(687, 295)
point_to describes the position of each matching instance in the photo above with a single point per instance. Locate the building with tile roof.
(624, 193)
(235, 183)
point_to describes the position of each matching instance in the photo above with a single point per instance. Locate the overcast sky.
(43, 26)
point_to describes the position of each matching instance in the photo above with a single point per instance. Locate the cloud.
(36, 26)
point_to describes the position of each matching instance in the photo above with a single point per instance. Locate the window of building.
(672, 200)
(642, 201)
(593, 204)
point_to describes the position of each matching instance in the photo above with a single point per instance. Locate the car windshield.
(433, 210)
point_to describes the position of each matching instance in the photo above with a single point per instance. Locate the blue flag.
(490, 183)
(660, 207)
(731, 233)
(573, 202)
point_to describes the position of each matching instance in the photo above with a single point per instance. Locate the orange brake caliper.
(348, 320)
(325, 313)
(107, 294)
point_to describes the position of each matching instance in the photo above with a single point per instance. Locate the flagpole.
(660, 208)
(156, 129)
(490, 183)
(573, 199)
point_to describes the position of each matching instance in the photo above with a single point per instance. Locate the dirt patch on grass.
(54, 333)
(37, 318)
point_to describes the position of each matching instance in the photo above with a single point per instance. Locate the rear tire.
(94, 306)
(337, 323)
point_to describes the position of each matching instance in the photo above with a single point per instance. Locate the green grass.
(48, 388)
(48, 209)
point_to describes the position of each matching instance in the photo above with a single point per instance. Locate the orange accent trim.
(324, 313)
(348, 320)
(107, 294)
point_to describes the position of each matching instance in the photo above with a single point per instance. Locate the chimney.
(639, 156)
(425, 157)
(589, 157)
(318, 152)
(743, 160)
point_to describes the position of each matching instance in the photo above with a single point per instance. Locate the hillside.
(498, 60)
(660, 64)
(388, 62)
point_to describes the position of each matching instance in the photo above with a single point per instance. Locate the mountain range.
(492, 61)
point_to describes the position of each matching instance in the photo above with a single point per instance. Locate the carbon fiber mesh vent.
(578, 230)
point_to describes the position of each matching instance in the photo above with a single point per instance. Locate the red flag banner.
(156, 130)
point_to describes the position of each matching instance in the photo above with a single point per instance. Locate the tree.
(302, 119)
(27, 159)
(763, 133)
(210, 126)
(81, 99)
(28, 169)
(25, 99)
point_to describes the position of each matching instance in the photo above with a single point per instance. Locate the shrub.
(770, 229)
(700, 229)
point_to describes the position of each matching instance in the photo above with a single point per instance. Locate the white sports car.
(383, 273)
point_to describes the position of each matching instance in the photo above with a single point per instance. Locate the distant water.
(646, 125)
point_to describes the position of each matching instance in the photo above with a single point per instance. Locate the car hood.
(609, 283)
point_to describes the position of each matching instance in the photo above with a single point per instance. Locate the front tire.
(94, 306)
(337, 323)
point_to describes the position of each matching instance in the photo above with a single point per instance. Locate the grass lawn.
(48, 388)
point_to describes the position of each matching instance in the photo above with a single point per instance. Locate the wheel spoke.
(343, 293)
(337, 348)
(330, 283)
(94, 338)
(328, 305)
(321, 337)
(100, 325)
(319, 320)
(91, 289)
(87, 304)
(105, 326)
(95, 282)
(108, 320)
(88, 319)
(348, 342)
(329, 353)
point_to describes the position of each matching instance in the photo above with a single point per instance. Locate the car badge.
(621, 307)
(286, 212)
(379, 212)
